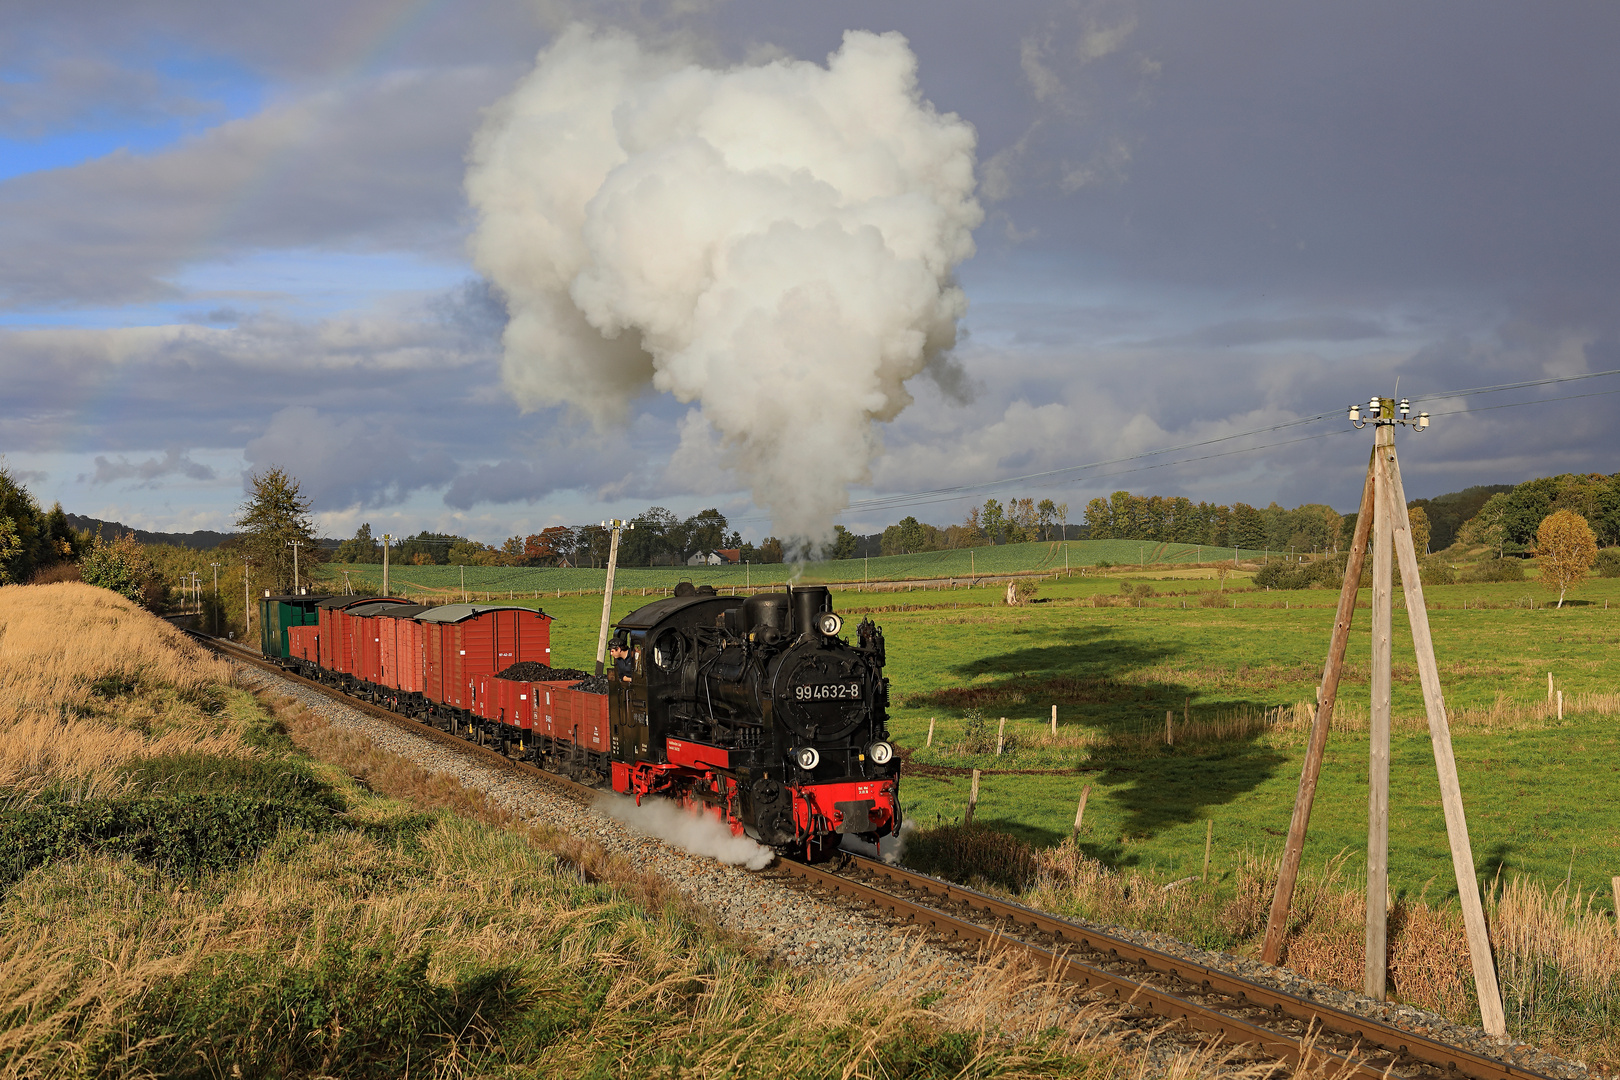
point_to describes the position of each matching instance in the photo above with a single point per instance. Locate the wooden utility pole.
(1383, 507)
(217, 604)
(607, 593)
(387, 539)
(1327, 696)
(1377, 941)
(295, 545)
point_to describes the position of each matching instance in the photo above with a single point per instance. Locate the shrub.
(121, 566)
(1608, 563)
(375, 1011)
(1319, 574)
(965, 852)
(1437, 571)
(186, 834)
(1494, 570)
(976, 736)
(1213, 599)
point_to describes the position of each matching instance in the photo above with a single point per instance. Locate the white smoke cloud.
(774, 242)
(701, 834)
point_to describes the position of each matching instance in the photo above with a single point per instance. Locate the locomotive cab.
(758, 710)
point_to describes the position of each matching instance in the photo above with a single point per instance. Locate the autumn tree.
(275, 516)
(1419, 519)
(1566, 548)
(122, 566)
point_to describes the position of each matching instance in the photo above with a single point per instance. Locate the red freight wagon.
(574, 716)
(337, 648)
(464, 641)
(304, 643)
(399, 646)
(364, 630)
(508, 701)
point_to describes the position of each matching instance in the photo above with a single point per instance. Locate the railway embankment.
(204, 876)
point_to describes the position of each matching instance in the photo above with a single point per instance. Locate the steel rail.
(1297, 1030)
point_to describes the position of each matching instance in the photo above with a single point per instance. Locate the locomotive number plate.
(827, 691)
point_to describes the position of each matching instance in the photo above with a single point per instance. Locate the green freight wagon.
(277, 613)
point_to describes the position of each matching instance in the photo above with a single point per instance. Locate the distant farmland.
(963, 564)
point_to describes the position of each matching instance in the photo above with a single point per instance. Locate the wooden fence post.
(1169, 733)
(1085, 792)
(930, 741)
(1560, 704)
(1209, 839)
(1614, 883)
(1054, 719)
(1001, 736)
(973, 799)
(1549, 686)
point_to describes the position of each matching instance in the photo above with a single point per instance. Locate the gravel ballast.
(800, 929)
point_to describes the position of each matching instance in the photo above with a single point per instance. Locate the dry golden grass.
(1558, 957)
(1502, 714)
(65, 651)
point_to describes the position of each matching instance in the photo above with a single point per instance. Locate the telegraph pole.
(607, 593)
(247, 601)
(217, 604)
(463, 584)
(295, 545)
(1383, 501)
(386, 540)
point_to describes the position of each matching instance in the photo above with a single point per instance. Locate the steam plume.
(701, 834)
(774, 243)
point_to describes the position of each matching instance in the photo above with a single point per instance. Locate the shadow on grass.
(1157, 786)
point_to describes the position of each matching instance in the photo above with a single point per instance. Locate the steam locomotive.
(752, 709)
(757, 710)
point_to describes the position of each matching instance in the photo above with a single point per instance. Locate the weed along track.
(1201, 1004)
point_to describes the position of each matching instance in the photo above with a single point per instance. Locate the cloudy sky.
(236, 236)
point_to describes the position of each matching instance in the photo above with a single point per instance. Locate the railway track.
(1278, 1025)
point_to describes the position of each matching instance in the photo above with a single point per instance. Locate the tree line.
(1179, 520)
(1509, 519)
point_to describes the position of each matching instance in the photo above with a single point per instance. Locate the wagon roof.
(378, 608)
(454, 613)
(343, 602)
(398, 611)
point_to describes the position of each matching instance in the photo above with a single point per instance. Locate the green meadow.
(1539, 792)
(961, 563)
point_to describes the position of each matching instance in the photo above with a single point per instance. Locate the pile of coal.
(530, 671)
(594, 684)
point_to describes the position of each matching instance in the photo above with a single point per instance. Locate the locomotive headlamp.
(829, 623)
(881, 753)
(808, 757)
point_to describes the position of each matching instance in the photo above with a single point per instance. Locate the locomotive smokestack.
(774, 244)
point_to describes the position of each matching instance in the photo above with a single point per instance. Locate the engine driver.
(623, 666)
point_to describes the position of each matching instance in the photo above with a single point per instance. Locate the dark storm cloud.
(1229, 217)
(1272, 331)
